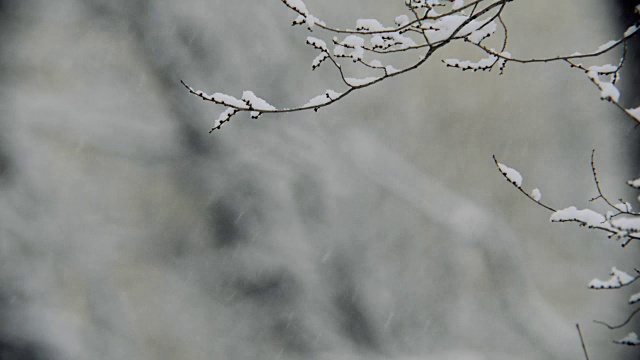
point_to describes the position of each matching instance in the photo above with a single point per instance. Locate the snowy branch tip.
(617, 280)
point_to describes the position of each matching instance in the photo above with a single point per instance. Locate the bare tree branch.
(584, 347)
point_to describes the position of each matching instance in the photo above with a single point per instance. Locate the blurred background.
(376, 228)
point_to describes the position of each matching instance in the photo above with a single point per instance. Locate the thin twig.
(611, 229)
(584, 348)
(613, 327)
(595, 179)
(520, 188)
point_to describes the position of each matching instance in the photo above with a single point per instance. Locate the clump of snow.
(623, 207)
(635, 182)
(632, 29)
(391, 39)
(201, 93)
(311, 21)
(606, 46)
(317, 43)
(480, 34)
(634, 298)
(416, 4)
(357, 54)
(607, 89)
(297, 5)
(299, 20)
(630, 224)
(603, 69)
(502, 62)
(352, 41)
(585, 216)
(536, 194)
(402, 41)
(369, 25)
(228, 100)
(255, 102)
(223, 118)
(308, 19)
(378, 42)
(445, 27)
(636, 114)
(332, 94)
(482, 64)
(375, 63)
(631, 339)
(402, 20)
(360, 82)
(618, 279)
(318, 60)
(512, 175)
(390, 70)
(323, 99)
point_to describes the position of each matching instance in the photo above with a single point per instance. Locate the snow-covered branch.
(620, 222)
(426, 27)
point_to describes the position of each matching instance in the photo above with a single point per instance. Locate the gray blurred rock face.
(378, 228)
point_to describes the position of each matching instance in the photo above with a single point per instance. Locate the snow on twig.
(423, 29)
(620, 222)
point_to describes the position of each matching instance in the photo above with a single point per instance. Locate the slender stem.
(584, 347)
(613, 327)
